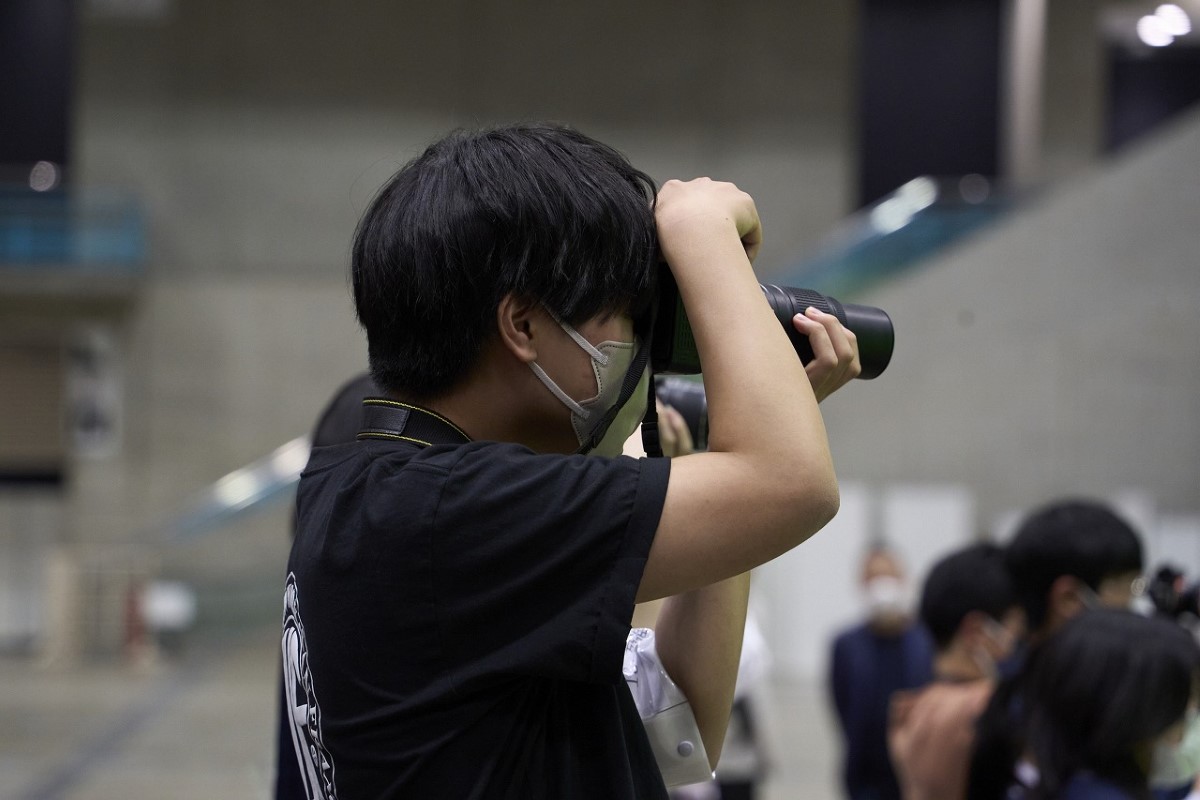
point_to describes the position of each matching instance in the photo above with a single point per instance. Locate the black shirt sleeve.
(536, 560)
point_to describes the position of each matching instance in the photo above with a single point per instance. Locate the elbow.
(831, 502)
(817, 503)
(824, 508)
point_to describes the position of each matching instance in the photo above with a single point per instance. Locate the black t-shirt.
(455, 621)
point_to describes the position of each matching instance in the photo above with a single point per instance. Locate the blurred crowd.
(1040, 670)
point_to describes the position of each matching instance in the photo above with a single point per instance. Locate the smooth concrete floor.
(202, 726)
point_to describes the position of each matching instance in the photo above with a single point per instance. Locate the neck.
(502, 401)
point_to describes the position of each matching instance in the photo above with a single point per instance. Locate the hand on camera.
(835, 352)
(674, 436)
(688, 209)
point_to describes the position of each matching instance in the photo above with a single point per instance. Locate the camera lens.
(871, 326)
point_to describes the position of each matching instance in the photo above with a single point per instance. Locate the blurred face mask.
(887, 598)
(611, 362)
(1176, 764)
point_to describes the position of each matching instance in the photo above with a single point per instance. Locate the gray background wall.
(1052, 354)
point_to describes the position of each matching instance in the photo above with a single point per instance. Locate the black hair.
(971, 579)
(1101, 690)
(1081, 538)
(1087, 698)
(538, 210)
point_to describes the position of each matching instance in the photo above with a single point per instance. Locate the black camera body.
(674, 352)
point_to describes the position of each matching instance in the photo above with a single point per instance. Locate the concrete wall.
(1055, 353)
(257, 132)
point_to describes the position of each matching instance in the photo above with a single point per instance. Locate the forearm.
(699, 639)
(767, 481)
(762, 408)
(759, 397)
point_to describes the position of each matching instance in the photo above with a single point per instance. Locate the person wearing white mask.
(870, 661)
(458, 598)
(970, 607)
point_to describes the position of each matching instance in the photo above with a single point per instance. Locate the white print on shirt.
(316, 765)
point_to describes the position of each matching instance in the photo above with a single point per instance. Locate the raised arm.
(767, 482)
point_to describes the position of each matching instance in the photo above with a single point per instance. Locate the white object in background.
(168, 606)
(923, 522)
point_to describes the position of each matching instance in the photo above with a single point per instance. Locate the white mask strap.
(576, 409)
(601, 358)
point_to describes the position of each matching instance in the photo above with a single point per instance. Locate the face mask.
(610, 363)
(1177, 764)
(887, 598)
(626, 422)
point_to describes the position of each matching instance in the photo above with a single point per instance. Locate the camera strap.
(397, 421)
(650, 441)
(633, 376)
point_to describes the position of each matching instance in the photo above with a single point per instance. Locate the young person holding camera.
(462, 581)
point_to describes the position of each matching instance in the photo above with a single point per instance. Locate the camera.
(1171, 595)
(674, 347)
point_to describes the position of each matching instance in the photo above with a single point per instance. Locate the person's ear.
(517, 322)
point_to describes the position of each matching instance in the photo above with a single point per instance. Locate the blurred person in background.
(1106, 703)
(969, 607)
(887, 652)
(1070, 555)
(1067, 556)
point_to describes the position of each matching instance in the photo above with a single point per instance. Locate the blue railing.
(71, 230)
(254, 487)
(905, 228)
